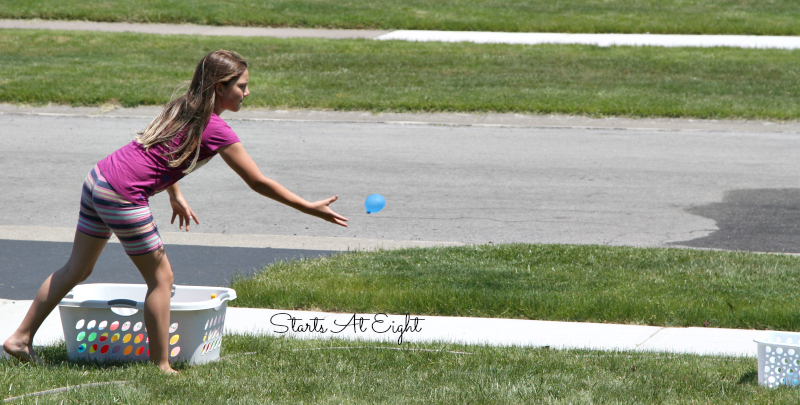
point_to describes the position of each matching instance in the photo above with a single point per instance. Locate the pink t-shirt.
(137, 174)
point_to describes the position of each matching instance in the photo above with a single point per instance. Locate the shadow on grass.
(749, 378)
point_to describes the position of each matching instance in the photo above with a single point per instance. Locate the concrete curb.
(603, 40)
(190, 29)
(454, 119)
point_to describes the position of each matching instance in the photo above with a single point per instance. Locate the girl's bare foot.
(168, 370)
(23, 352)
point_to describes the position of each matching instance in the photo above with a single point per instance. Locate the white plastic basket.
(778, 359)
(105, 322)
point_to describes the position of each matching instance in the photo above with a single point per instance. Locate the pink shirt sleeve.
(218, 134)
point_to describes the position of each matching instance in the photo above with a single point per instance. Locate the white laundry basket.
(105, 322)
(778, 359)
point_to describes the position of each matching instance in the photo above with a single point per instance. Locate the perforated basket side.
(778, 359)
(103, 335)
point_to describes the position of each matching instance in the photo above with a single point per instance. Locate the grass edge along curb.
(667, 287)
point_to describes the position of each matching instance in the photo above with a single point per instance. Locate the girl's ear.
(218, 89)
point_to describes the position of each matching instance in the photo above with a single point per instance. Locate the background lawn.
(754, 17)
(87, 68)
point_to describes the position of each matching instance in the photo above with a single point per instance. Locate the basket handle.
(121, 301)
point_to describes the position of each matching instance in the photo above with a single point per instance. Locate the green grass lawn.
(290, 371)
(82, 68)
(756, 17)
(664, 287)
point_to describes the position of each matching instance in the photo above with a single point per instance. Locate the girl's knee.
(77, 272)
(166, 276)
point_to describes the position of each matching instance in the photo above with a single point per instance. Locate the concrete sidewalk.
(424, 329)
(533, 38)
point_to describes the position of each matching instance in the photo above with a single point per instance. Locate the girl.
(186, 134)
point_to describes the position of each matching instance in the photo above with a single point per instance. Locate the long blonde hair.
(191, 111)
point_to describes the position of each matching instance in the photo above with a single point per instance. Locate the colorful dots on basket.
(140, 350)
(91, 324)
(127, 338)
(174, 339)
(81, 336)
(173, 327)
(82, 348)
(93, 349)
(126, 326)
(128, 350)
(79, 324)
(148, 352)
(137, 326)
(92, 337)
(104, 350)
(114, 325)
(175, 351)
(115, 337)
(102, 325)
(103, 337)
(138, 339)
(116, 349)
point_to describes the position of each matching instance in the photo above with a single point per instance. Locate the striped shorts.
(103, 211)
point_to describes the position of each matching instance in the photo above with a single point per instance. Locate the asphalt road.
(24, 265)
(729, 189)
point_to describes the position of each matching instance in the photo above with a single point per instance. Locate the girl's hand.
(322, 210)
(181, 209)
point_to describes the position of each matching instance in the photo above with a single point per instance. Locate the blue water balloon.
(374, 203)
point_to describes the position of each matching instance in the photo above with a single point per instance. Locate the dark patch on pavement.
(760, 220)
(24, 265)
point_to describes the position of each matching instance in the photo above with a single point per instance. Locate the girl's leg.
(157, 273)
(85, 252)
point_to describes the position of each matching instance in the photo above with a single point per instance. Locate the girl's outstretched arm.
(238, 159)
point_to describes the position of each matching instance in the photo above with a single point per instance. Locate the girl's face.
(230, 97)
